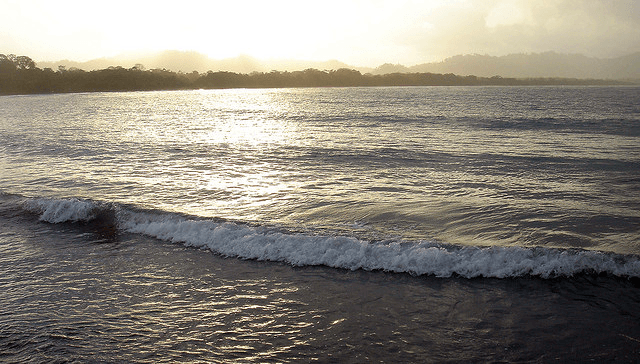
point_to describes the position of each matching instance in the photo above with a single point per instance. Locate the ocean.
(339, 225)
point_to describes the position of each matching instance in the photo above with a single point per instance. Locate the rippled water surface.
(530, 166)
(418, 224)
(70, 297)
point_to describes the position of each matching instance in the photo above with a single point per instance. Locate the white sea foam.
(419, 258)
(350, 253)
(61, 210)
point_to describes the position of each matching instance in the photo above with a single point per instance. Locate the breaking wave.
(233, 239)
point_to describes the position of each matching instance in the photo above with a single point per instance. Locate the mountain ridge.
(547, 64)
(516, 65)
(189, 61)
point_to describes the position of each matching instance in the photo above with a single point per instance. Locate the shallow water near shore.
(68, 295)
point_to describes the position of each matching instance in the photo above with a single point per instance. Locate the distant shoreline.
(19, 75)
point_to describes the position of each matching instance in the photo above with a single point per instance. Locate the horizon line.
(130, 56)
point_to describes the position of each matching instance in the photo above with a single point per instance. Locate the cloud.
(364, 33)
(593, 27)
(508, 12)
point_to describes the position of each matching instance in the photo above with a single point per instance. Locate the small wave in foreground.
(244, 241)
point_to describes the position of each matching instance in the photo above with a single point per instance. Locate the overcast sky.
(360, 33)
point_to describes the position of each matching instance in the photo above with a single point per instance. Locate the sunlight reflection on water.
(465, 165)
(390, 166)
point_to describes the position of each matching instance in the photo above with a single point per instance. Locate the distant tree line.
(19, 75)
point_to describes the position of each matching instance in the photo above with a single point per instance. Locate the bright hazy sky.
(360, 33)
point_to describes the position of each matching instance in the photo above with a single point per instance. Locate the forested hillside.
(19, 75)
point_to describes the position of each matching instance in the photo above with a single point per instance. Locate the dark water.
(335, 225)
(68, 296)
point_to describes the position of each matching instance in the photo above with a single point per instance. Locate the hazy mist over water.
(519, 65)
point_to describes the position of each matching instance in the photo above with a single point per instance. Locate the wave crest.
(62, 210)
(419, 258)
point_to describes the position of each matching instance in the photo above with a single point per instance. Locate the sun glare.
(257, 126)
(357, 32)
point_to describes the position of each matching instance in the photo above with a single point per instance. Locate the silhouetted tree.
(19, 75)
(24, 63)
(6, 64)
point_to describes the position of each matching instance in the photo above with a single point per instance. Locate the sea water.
(405, 224)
